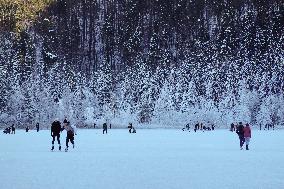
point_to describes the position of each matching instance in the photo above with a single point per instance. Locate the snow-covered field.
(149, 159)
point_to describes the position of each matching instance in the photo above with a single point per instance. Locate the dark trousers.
(71, 138)
(242, 140)
(104, 130)
(58, 139)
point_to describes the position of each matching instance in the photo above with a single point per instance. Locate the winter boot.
(247, 147)
(59, 148)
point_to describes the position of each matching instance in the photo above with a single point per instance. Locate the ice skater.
(247, 135)
(37, 127)
(130, 127)
(240, 132)
(70, 135)
(55, 132)
(13, 129)
(105, 128)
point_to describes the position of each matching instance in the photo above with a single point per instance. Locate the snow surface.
(149, 159)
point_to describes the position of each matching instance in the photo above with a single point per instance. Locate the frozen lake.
(149, 159)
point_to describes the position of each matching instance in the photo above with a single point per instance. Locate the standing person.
(187, 126)
(232, 127)
(247, 135)
(27, 129)
(240, 132)
(110, 126)
(55, 132)
(37, 127)
(94, 125)
(130, 127)
(105, 128)
(70, 135)
(13, 129)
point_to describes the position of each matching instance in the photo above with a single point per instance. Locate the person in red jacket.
(247, 135)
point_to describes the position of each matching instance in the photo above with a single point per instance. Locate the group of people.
(199, 126)
(244, 133)
(56, 129)
(131, 128)
(267, 126)
(10, 130)
(105, 128)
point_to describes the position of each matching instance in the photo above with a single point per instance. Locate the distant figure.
(247, 135)
(130, 127)
(110, 126)
(55, 132)
(187, 126)
(70, 135)
(13, 129)
(65, 120)
(232, 127)
(196, 127)
(27, 129)
(240, 132)
(134, 130)
(104, 128)
(260, 126)
(6, 131)
(94, 125)
(37, 127)
(213, 127)
(267, 126)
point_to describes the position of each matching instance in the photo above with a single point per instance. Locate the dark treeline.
(119, 49)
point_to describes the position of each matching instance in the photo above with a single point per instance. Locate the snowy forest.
(155, 63)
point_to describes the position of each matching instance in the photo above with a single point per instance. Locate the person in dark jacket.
(130, 127)
(37, 127)
(27, 129)
(70, 135)
(55, 132)
(232, 127)
(13, 129)
(105, 128)
(240, 132)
